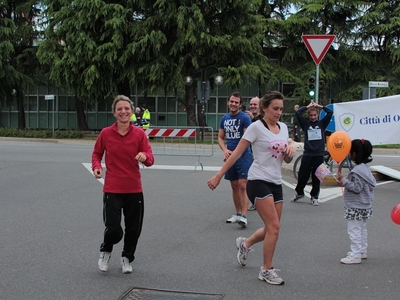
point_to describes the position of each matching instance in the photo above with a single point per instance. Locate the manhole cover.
(147, 294)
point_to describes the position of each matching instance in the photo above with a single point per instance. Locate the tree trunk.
(124, 88)
(190, 106)
(262, 88)
(80, 114)
(21, 110)
(323, 100)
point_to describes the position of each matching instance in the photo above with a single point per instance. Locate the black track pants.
(131, 205)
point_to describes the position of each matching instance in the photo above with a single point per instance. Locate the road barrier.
(182, 141)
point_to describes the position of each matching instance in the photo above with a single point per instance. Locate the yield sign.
(318, 45)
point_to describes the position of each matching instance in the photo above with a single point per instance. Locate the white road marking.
(182, 168)
(89, 168)
(326, 193)
(164, 167)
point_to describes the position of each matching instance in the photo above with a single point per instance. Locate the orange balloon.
(339, 145)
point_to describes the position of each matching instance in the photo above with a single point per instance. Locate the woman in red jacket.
(126, 146)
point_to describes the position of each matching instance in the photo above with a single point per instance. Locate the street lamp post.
(203, 91)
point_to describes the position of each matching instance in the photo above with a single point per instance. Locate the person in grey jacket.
(358, 196)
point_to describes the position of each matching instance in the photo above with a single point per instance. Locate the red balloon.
(395, 214)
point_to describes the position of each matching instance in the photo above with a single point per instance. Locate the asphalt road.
(51, 229)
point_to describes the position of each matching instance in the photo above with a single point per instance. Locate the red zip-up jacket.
(122, 169)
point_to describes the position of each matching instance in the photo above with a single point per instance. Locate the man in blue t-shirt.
(231, 128)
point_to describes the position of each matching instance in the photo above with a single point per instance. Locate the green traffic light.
(311, 86)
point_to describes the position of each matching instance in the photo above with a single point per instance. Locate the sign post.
(376, 84)
(318, 45)
(51, 98)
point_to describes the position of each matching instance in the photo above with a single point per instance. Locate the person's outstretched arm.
(240, 148)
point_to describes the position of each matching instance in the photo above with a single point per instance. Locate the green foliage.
(84, 55)
(175, 38)
(68, 134)
(97, 48)
(365, 48)
(389, 146)
(39, 133)
(19, 66)
(25, 133)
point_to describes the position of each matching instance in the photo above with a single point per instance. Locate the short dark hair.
(362, 150)
(236, 94)
(266, 100)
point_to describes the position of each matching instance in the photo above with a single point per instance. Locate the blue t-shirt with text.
(234, 128)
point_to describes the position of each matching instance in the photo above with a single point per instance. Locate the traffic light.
(311, 86)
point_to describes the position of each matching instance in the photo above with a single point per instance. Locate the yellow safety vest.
(134, 120)
(146, 119)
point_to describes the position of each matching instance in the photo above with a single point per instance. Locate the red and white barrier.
(163, 132)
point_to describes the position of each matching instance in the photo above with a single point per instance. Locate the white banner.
(376, 120)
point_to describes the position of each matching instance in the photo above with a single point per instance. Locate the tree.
(380, 37)
(173, 39)
(84, 43)
(275, 14)
(156, 44)
(18, 33)
(316, 17)
(7, 28)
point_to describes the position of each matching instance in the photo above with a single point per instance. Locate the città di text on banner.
(376, 120)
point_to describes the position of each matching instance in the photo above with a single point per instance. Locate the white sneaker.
(251, 206)
(233, 219)
(243, 252)
(103, 261)
(270, 276)
(296, 197)
(363, 255)
(242, 220)
(350, 259)
(126, 265)
(314, 201)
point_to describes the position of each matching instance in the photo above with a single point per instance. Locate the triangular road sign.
(318, 45)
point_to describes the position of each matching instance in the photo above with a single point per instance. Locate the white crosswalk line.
(326, 193)
(88, 166)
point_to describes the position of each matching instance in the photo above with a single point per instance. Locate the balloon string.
(338, 181)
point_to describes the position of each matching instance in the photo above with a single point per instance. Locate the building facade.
(165, 110)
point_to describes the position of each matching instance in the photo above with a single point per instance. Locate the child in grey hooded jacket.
(358, 196)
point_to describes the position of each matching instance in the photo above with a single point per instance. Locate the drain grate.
(147, 294)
